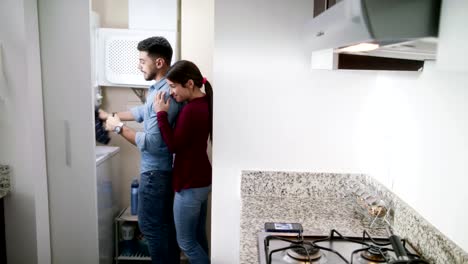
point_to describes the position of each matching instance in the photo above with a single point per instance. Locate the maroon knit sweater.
(188, 140)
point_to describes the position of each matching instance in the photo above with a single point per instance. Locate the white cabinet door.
(64, 27)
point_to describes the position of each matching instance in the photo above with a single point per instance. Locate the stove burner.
(374, 254)
(301, 253)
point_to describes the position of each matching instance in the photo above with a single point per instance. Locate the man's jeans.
(190, 207)
(155, 216)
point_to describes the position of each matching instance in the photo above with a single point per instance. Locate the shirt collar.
(159, 84)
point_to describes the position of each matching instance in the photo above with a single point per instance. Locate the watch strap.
(118, 129)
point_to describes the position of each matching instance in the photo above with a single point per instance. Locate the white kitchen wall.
(197, 34)
(429, 147)
(112, 13)
(22, 143)
(408, 130)
(161, 12)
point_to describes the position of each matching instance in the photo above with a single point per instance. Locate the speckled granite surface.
(321, 201)
(316, 200)
(430, 242)
(296, 184)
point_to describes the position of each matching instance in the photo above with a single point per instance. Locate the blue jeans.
(190, 207)
(155, 216)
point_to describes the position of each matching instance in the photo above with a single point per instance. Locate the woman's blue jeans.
(155, 216)
(190, 206)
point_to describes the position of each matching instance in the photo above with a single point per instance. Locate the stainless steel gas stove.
(310, 247)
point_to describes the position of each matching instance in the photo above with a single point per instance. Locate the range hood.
(403, 29)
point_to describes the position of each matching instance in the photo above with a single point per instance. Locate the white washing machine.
(108, 180)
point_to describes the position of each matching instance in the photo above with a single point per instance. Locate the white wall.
(406, 129)
(22, 135)
(162, 13)
(112, 13)
(428, 146)
(197, 34)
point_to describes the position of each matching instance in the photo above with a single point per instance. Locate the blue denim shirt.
(154, 152)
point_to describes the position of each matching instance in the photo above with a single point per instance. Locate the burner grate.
(310, 251)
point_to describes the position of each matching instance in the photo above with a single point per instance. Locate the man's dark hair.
(157, 47)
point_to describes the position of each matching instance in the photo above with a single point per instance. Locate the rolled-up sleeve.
(148, 142)
(138, 113)
(140, 140)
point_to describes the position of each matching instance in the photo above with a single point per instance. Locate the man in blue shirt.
(155, 214)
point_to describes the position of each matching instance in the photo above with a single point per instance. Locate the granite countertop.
(291, 201)
(322, 201)
(4, 180)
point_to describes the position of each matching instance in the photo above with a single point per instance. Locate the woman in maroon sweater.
(192, 169)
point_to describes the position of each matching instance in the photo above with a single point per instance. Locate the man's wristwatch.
(118, 128)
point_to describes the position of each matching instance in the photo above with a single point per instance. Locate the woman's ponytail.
(209, 93)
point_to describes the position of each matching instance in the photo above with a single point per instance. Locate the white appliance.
(108, 187)
(116, 49)
(117, 55)
(401, 28)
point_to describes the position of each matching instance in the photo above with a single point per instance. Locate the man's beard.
(151, 76)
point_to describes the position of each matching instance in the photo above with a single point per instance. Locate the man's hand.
(103, 115)
(112, 122)
(160, 104)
